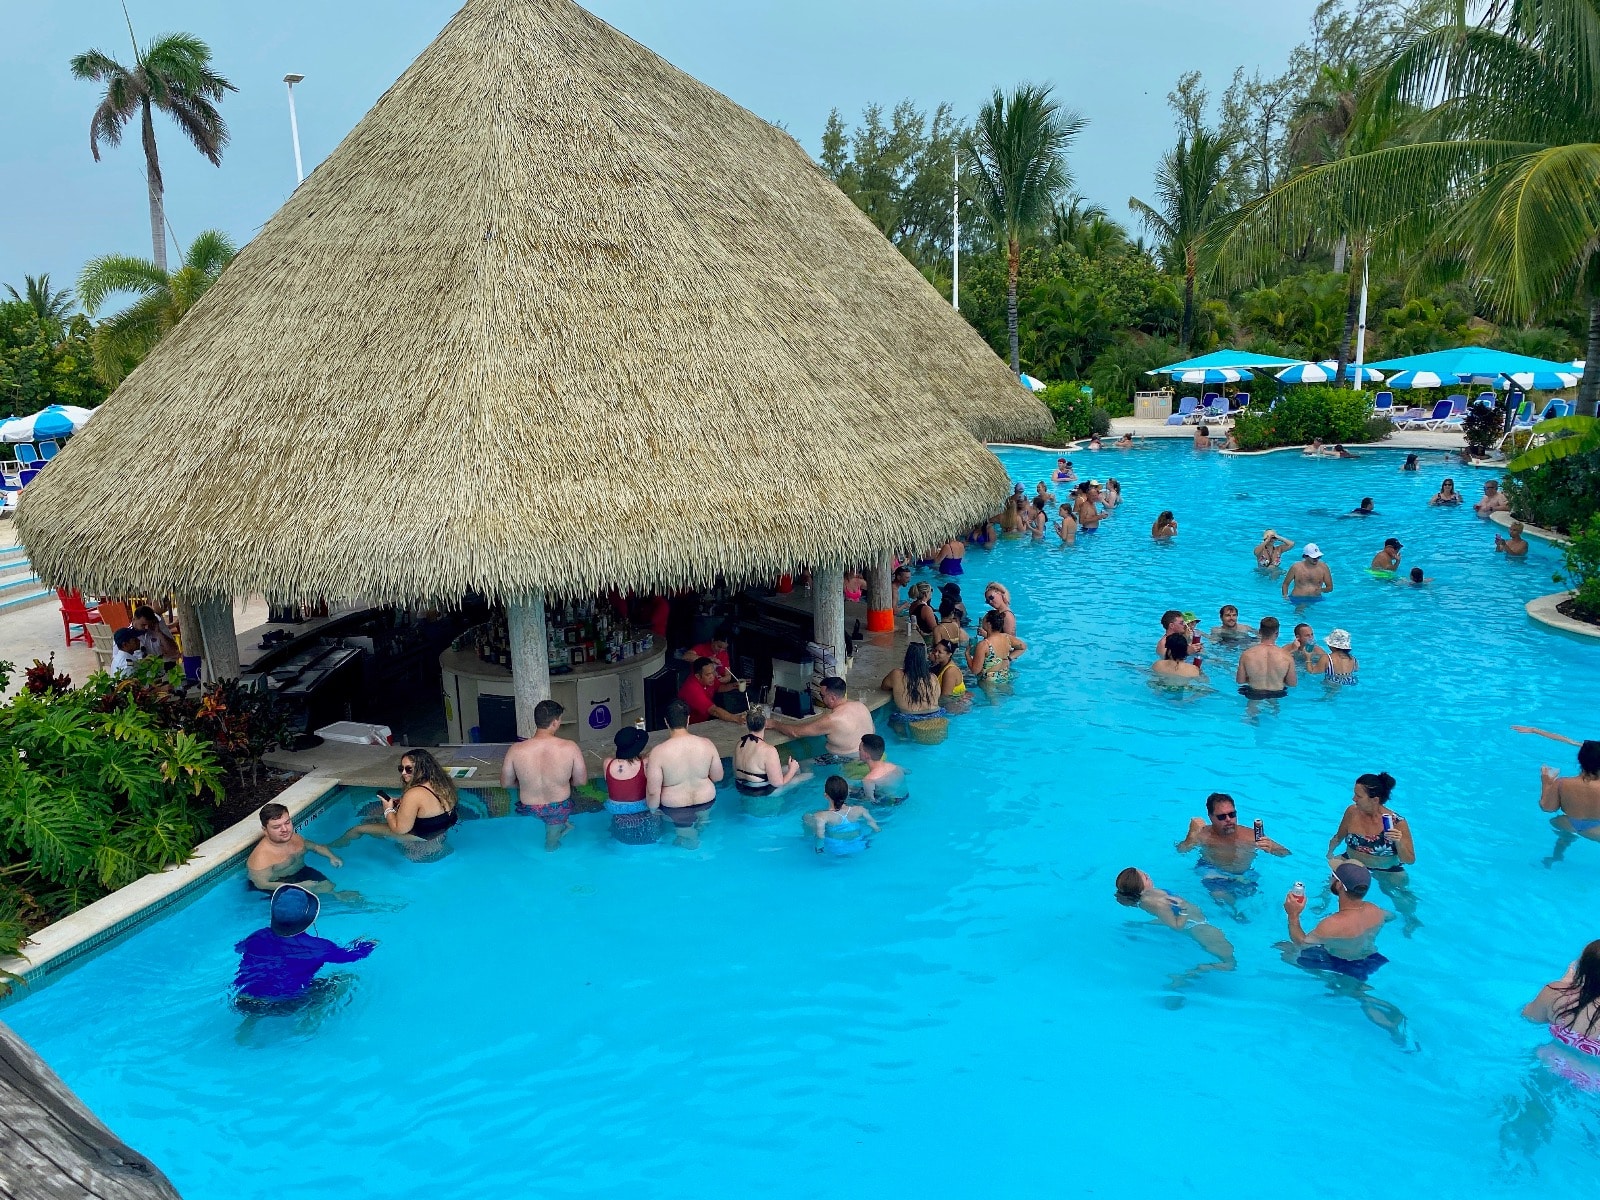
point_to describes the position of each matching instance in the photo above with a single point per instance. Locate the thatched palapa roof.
(556, 315)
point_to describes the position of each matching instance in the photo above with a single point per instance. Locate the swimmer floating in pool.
(1226, 852)
(1135, 890)
(278, 965)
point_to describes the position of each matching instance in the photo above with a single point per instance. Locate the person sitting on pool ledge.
(915, 690)
(1266, 670)
(545, 768)
(1135, 890)
(1165, 526)
(1515, 546)
(758, 768)
(1306, 651)
(1309, 578)
(1346, 940)
(278, 965)
(1493, 499)
(843, 724)
(1269, 552)
(941, 662)
(1226, 851)
(280, 856)
(1570, 1007)
(1364, 509)
(837, 828)
(1387, 559)
(632, 822)
(681, 776)
(1230, 630)
(884, 783)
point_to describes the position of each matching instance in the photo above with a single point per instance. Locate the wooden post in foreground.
(530, 657)
(219, 637)
(51, 1144)
(827, 592)
(880, 594)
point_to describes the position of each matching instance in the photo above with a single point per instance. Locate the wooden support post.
(827, 591)
(530, 657)
(880, 594)
(219, 637)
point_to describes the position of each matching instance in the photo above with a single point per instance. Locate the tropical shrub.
(1305, 413)
(1074, 411)
(1562, 494)
(1582, 562)
(1481, 426)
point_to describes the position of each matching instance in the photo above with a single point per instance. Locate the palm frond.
(95, 65)
(112, 273)
(210, 252)
(1582, 434)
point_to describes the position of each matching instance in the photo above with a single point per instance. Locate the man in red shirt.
(699, 692)
(727, 684)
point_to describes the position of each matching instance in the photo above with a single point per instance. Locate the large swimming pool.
(964, 1010)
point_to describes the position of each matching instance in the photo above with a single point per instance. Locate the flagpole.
(955, 240)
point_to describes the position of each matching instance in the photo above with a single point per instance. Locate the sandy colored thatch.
(554, 314)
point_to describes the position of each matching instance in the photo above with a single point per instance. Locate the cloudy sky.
(790, 62)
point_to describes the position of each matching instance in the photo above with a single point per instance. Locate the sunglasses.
(405, 770)
(1229, 816)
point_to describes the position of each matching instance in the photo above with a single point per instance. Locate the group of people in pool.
(1265, 669)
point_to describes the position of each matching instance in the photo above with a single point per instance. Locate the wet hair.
(1589, 758)
(873, 745)
(677, 715)
(1217, 798)
(996, 619)
(921, 686)
(700, 664)
(835, 686)
(1177, 645)
(1366, 502)
(1307, 625)
(1378, 786)
(755, 718)
(1130, 886)
(836, 790)
(1228, 608)
(271, 812)
(1416, 574)
(1451, 482)
(950, 602)
(1204, 431)
(1038, 502)
(126, 636)
(1410, 458)
(1584, 989)
(1268, 627)
(426, 771)
(1166, 515)
(547, 712)
(1168, 617)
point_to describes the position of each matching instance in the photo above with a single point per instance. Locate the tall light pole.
(1361, 327)
(955, 241)
(294, 128)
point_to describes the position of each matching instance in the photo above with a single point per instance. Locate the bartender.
(699, 693)
(728, 692)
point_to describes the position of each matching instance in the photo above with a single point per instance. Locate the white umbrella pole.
(1361, 328)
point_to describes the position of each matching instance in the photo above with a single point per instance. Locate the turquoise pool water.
(964, 1010)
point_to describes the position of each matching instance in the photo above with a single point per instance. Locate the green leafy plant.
(1305, 413)
(1481, 426)
(1582, 562)
(1563, 437)
(1562, 494)
(1074, 411)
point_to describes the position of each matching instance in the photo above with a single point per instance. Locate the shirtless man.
(1493, 500)
(681, 776)
(1387, 559)
(1269, 553)
(280, 855)
(1173, 621)
(845, 722)
(544, 769)
(1085, 507)
(1515, 546)
(1346, 940)
(1230, 630)
(1307, 654)
(884, 783)
(1310, 577)
(1266, 670)
(1226, 851)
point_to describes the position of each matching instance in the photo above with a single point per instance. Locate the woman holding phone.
(425, 809)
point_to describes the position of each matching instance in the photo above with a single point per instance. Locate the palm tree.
(173, 73)
(1193, 193)
(1018, 148)
(124, 338)
(1498, 169)
(53, 306)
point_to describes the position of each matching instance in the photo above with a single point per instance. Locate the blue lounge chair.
(1185, 407)
(1217, 408)
(1383, 405)
(1441, 410)
(1241, 400)
(48, 450)
(1551, 411)
(27, 455)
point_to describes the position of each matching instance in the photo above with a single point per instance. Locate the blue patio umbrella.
(55, 421)
(1420, 379)
(1212, 375)
(1323, 372)
(1223, 360)
(1469, 364)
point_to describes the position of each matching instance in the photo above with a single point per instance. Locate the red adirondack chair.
(76, 614)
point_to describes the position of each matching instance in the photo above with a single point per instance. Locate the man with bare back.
(681, 776)
(544, 769)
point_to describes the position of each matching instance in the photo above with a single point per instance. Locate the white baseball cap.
(1311, 550)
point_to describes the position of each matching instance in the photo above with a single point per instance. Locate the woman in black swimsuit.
(425, 810)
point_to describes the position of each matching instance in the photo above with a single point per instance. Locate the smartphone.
(1260, 830)
(385, 797)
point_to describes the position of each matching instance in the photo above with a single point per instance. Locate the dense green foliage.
(45, 361)
(1481, 427)
(1076, 413)
(1313, 411)
(1562, 494)
(109, 781)
(1582, 561)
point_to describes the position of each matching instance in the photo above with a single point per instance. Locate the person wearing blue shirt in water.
(838, 827)
(278, 965)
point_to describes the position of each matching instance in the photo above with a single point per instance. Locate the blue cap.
(293, 910)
